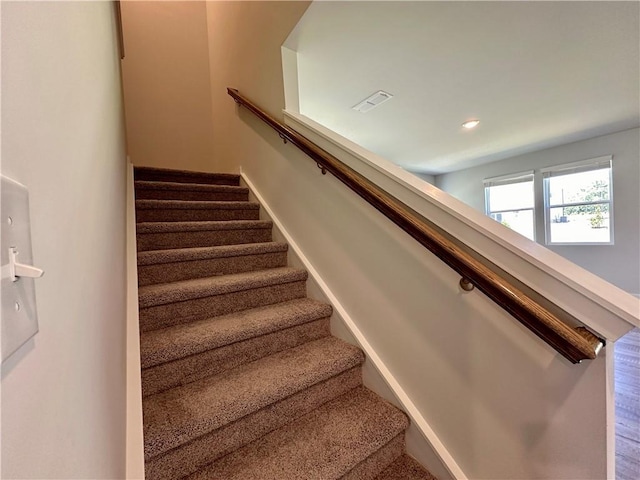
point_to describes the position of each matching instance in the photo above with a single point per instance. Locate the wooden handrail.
(530, 308)
(120, 30)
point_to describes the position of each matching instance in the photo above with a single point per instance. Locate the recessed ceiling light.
(470, 124)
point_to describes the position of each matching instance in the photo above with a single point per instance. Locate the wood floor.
(627, 388)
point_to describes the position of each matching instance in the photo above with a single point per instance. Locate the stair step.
(185, 353)
(167, 304)
(405, 468)
(173, 343)
(189, 210)
(329, 443)
(162, 266)
(181, 414)
(154, 174)
(200, 452)
(165, 293)
(189, 191)
(169, 235)
(213, 362)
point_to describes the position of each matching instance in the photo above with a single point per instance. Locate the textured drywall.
(63, 393)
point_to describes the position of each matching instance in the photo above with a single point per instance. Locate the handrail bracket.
(466, 285)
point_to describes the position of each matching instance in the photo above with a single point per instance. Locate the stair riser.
(162, 316)
(189, 458)
(209, 238)
(195, 215)
(373, 465)
(176, 271)
(208, 179)
(212, 362)
(149, 194)
(405, 467)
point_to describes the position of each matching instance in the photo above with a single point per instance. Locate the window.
(578, 203)
(510, 201)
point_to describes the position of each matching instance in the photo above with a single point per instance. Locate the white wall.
(426, 177)
(505, 404)
(245, 40)
(166, 84)
(618, 263)
(63, 393)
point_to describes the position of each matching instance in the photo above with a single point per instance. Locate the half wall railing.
(548, 321)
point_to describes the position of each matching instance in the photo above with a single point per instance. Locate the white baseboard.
(422, 441)
(135, 436)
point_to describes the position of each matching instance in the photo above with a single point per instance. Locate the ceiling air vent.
(373, 101)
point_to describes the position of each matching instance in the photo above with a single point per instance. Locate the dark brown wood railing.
(118, 13)
(552, 324)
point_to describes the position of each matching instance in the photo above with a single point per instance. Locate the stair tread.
(405, 468)
(181, 414)
(163, 293)
(196, 205)
(172, 343)
(165, 227)
(186, 173)
(152, 257)
(327, 443)
(204, 187)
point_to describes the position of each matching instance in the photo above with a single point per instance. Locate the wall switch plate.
(19, 314)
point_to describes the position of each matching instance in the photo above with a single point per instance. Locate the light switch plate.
(19, 314)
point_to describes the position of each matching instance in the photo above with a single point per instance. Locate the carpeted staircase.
(241, 377)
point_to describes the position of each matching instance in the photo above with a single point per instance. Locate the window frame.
(513, 178)
(598, 163)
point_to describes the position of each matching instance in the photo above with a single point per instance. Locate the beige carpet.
(241, 376)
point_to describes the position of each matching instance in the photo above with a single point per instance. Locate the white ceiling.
(537, 74)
